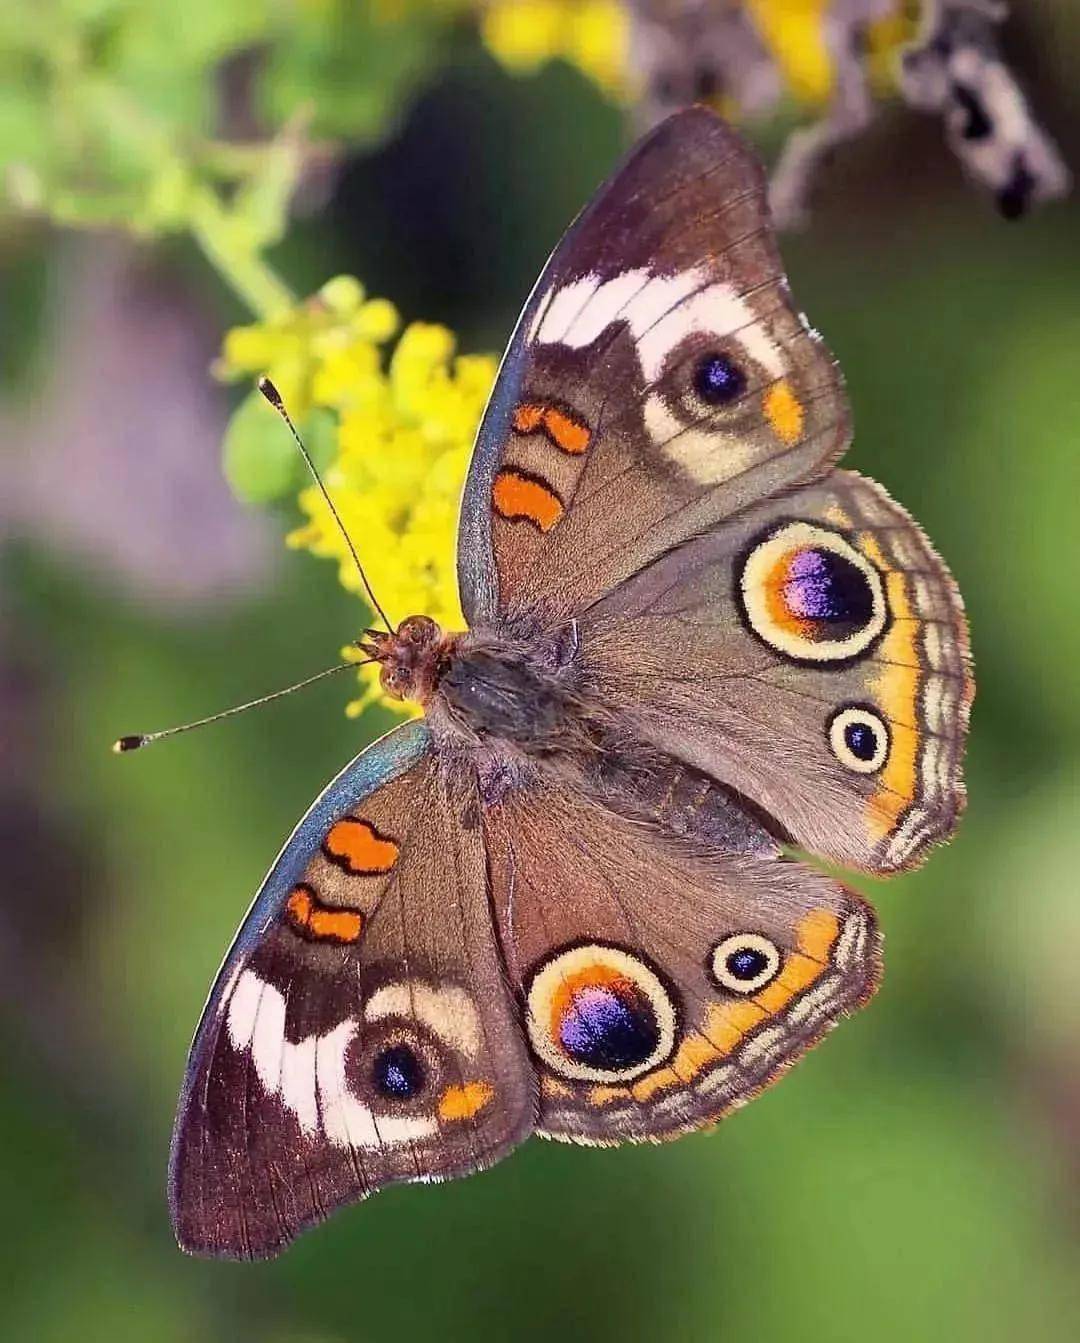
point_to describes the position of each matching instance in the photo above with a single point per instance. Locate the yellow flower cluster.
(595, 36)
(591, 34)
(405, 413)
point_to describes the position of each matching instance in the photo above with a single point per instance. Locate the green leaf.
(259, 458)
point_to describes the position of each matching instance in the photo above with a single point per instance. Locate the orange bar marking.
(464, 1101)
(528, 418)
(897, 685)
(816, 933)
(309, 917)
(784, 411)
(357, 846)
(519, 496)
(606, 1095)
(565, 432)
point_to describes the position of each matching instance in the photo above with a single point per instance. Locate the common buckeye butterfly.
(561, 902)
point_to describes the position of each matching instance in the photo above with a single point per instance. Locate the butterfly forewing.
(350, 1045)
(660, 380)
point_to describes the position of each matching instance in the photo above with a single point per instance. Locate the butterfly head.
(412, 658)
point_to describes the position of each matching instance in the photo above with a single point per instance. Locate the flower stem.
(227, 244)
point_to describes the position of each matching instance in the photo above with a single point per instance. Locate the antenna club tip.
(270, 392)
(123, 744)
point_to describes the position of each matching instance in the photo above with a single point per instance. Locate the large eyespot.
(598, 1014)
(859, 738)
(808, 593)
(397, 1072)
(745, 962)
(718, 379)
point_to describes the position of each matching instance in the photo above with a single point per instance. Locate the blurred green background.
(918, 1176)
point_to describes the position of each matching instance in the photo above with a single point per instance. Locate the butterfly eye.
(745, 962)
(859, 738)
(718, 379)
(396, 681)
(398, 1073)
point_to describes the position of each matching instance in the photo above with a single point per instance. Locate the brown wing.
(361, 1031)
(663, 982)
(660, 380)
(814, 653)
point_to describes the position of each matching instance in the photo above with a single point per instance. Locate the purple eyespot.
(611, 1026)
(825, 588)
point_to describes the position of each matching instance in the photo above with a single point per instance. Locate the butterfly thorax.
(488, 687)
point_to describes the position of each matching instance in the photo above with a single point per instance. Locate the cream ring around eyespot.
(740, 942)
(757, 589)
(448, 1012)
(858, 716)
(597, 967)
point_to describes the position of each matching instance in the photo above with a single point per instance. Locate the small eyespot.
(718, 379)
(859, 738)
(745, 962)
(398, 1073)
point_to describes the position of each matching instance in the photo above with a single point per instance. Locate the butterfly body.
(562, 902)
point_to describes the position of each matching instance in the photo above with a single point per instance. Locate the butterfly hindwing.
(813, 652)
(662, 981)
(659, 380)
(360, 1032)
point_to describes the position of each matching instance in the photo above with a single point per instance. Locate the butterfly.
(563, 901)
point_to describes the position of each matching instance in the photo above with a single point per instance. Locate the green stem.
(223, 241)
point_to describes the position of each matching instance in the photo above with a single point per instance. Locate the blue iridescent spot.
(609, 1026)
(718, 380)
(861, 740)
(397, 1072)
(827, 589)
(747, 963)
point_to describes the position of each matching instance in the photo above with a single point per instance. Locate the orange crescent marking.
(604, 1095)
(518, 496)
(591, 976)
(357, 846)
(310, 918)
(776, 602)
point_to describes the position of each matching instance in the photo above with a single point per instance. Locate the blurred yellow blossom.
(404, 421)
(591, 34)
(595, 35)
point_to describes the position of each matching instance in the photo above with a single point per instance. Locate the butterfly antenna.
(140, 739)
(274, 397)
